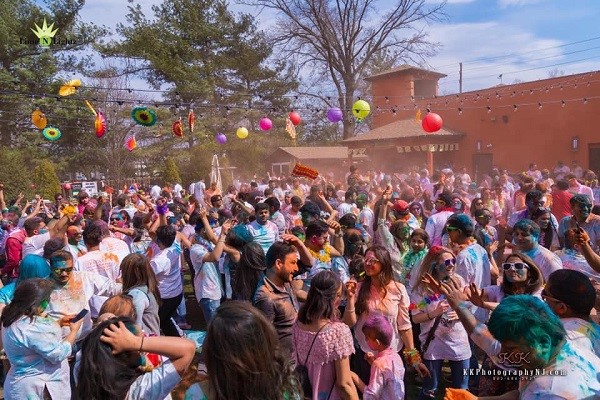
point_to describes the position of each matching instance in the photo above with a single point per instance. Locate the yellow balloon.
(360, 109)
(242, 132)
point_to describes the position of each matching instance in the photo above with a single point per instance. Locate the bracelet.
(349, 310)
(429, 316)
(412, 356)
(141, 345)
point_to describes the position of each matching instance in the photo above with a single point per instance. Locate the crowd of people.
(324, 289)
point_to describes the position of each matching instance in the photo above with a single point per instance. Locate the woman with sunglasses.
(379, 293)
(520, 275)
(442, 335)
(35, 346)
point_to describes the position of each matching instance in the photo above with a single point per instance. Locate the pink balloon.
(67, 186)
(265, 124)
(432, 123)
(221, 138)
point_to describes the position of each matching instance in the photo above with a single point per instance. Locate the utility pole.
(460, 78)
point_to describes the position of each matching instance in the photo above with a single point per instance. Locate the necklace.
(324, 255)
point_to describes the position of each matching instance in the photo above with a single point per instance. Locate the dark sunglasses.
(116, 218)
(448, 262)
(517, 266)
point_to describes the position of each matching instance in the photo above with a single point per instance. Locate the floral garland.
(426, 300)
(323, 256)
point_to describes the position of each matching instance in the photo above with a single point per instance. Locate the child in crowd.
(387, 369)
(419, 245)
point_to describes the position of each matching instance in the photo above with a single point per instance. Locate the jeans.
(209, 308)
(167, 311)
(459, 379)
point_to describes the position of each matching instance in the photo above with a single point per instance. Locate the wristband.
(141, 345)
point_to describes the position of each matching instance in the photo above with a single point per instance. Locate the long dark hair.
(27, 299)
(103, 375)
(534, 282)
(321, 298)
(136, 271)
(244, 358)
(384, 278)
(250, 270)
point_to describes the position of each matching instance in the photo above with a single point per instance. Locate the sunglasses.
(448, 262)
(371, 261)
(546, 297)
(484, 216)
(58, 271)
(516, 265)
(452, 228)
(116, 218)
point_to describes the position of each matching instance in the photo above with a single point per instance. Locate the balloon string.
(87, 103)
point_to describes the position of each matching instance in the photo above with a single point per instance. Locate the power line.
(517, 54)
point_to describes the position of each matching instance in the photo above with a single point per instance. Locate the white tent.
(215, 172)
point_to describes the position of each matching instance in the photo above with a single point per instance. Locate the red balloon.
(295, 118)
(67, 186)
(432, 123)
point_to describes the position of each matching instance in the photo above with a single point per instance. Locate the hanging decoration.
(51, 133)
(242, 132)
(360, 110)
(335, 115)
(303, 170)
(432, 123)
(100, 124)
(144, 116)
(221, 138)
(265, 124)
(39, 119)
(191, 121)
(290, 129)
(69, 88)
(131, 143)
(177, 128)
(295, 118)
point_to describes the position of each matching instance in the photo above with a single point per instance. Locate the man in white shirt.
(348, 206)
(437, 221)
(38, 234)
(101, 262)
(264, 232)
(577, 188)
(166, 265)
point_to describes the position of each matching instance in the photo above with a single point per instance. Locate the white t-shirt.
(166, 264)
(576, 379)
(35, 244)
(207, 279)
(450, 339)
(435, 226)
(473, 265)
(118, 247)
(102, 263)
(547, 261)
(155, 385)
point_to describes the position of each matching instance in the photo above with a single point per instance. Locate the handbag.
(302, 371)
(430, 334)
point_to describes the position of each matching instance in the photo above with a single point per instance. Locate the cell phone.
(79, 316)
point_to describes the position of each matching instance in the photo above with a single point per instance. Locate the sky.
(522, 40)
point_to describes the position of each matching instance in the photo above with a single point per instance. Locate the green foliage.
(171, 172)
(14, 173)
(45, 180)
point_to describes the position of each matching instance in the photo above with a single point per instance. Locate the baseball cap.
(400, 206)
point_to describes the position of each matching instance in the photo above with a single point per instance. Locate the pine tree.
(171, 173)
(45, 180)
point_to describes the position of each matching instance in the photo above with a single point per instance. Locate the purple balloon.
(335, 114)
(221, 138)
(265, 124)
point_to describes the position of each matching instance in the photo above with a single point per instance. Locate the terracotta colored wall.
(517, 138)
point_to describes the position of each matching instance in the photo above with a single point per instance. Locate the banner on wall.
(434, 148)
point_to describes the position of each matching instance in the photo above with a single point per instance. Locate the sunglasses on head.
(516, 265)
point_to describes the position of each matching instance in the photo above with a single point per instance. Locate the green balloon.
(360, 109)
